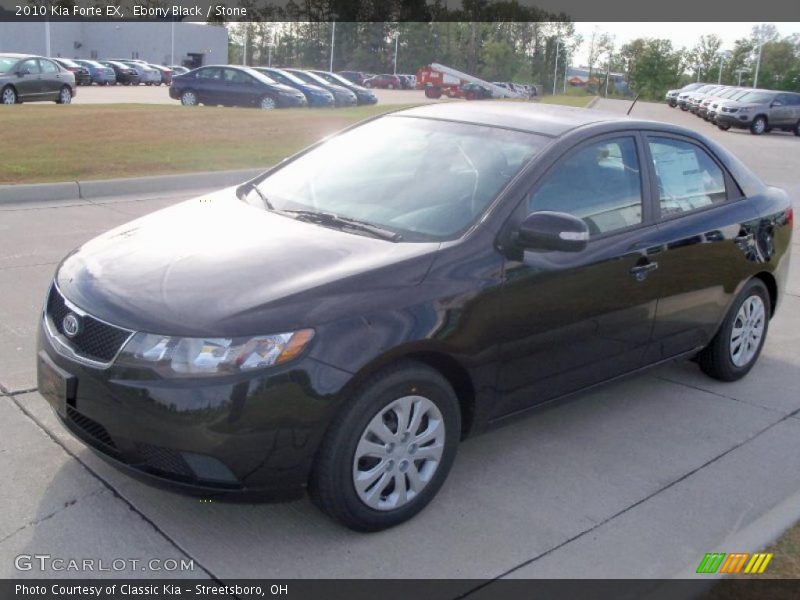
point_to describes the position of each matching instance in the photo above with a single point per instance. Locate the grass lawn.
(566, 100)
(105, 141)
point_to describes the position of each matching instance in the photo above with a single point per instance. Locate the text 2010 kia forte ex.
(340, 322)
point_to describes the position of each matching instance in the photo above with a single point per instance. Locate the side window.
(236, 76)
(47, 66)
(600, 183)
(687, 176)
(208, 74)
(32, 65)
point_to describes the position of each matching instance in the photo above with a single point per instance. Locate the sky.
(681, 34)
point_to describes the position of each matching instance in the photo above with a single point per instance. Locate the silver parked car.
(672, 95)
(147, 75)
(761, 111)
(28, 78)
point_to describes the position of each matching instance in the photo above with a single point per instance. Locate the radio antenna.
(632, 105)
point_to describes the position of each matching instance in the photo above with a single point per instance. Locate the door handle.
(640, 272)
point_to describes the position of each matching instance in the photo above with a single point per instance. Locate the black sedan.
(233, 86)
(81, 73)
(363, 95)
(125, 75)
(341, 322)
(315, 95)
(342, 95)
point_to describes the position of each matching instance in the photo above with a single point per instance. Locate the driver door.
(573, 319)
(30, 85)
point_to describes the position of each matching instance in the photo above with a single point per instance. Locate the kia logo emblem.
(71, 325)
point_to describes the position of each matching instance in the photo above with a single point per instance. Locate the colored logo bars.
(719, 562)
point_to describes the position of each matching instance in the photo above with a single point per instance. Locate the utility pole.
(555, 71)
(172, 41)
(333, 40)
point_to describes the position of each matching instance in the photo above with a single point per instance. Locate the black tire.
(331, 484)
(723, 127)
(684, 108)
(8, 95)
(715, 359)
(64, 95)
(759, 125)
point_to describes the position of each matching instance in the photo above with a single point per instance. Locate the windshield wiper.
(267, 204)
(331, 219)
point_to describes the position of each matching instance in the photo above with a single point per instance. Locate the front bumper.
(736, 120)
(246, 437)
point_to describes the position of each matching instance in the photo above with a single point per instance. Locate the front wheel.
(758, 126)
(64, 96)
(267, 103)
(737, 345)
(389, 450)
(189, 98)
(723, 127)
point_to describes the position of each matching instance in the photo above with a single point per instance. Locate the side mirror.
(553, 231)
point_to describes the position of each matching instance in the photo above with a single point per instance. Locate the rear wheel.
(737, 345)
(8, 95)
(64, 96)
(723, 127)
(433, 92)
(389, 450)
(758, 126)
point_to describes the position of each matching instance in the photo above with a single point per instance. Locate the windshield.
(334, 78)
(68, 63)
(756, 97)
(285, 77)
(92, 63)
(7, 63)
(310, 77)
(424, 179)
(691, 87)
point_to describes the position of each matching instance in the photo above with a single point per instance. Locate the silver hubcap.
(398, 453)
(759, 125)
(267, 103)
(748, 328)
(66, 96)
(9, 97)
(188, 99)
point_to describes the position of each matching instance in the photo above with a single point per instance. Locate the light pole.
(608, 71)
(555, 70)
(566, 68)
(172, 42)
(333, 39)
(723, 56)
(244, 47)
(758, 64)
(739, 72)
(396, 39)
(47, 37)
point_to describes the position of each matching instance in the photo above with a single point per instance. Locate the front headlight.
(193, 357)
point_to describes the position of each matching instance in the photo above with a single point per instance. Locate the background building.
(165, 43)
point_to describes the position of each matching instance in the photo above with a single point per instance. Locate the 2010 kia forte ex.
(341, 322)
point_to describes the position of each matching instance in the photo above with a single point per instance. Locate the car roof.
(16, 55)
(546, 119)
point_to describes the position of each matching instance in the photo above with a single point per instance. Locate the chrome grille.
(95, 340)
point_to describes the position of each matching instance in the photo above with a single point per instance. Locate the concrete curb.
(106, 188)
(592, 102)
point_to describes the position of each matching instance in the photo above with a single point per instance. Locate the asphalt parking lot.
(142, 94)
(635, 479)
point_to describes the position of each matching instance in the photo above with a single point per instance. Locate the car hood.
(217, 266)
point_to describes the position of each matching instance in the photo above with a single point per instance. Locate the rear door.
(52, 78)
(781, 111)
(573, 319)
(208, 86)
(706, 234)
